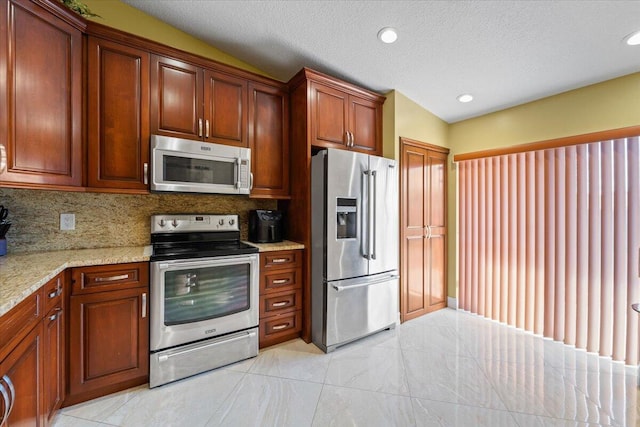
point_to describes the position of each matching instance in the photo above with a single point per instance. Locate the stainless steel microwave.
(185, 166)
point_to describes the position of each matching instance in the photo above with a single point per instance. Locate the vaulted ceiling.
(504, 53)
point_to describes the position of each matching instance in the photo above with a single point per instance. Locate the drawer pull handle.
(279, 304)
(280, 281)
(111, 278)
(144, 305)
(282, 326)
(55, 293)
(279, 260)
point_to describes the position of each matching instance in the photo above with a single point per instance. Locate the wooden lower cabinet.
(108, 331)
(280, 296)
(22, 372)
(32, 357)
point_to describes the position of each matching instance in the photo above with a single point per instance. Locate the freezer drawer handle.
(165, 357)
(362, 285)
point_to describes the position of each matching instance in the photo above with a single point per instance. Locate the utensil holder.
(3, 247)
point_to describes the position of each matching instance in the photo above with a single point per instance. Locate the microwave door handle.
(238, 163)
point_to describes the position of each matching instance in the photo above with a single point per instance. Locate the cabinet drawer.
(277, 281)
(109, 277)
(282, 302)
(280, 259)
(53, 291)
(17, 323)
(278, 326)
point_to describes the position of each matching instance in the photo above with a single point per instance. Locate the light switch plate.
(67, 221)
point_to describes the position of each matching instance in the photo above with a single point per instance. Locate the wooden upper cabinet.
(41, 112)
(330, 116)
(176, 98)
(118, 116)
(269, 140)
(344, 119)
(191, 102)
(225, 109)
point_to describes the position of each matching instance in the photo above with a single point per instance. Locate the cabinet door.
(118, 116)
(423, 228)
(225, 109)
(329, 116)
(365, 123)
(176, 98)
(53, 350)
(108, 342)
(41, 113)
(269, 140)
(23, 368)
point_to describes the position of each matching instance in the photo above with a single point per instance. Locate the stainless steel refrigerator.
(354, 254)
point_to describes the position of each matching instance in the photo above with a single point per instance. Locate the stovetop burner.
(196, 236)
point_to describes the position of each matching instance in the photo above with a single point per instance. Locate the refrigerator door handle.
(366, 245)
(373, 230)
(365, 284)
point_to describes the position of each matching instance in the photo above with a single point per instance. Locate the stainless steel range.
(204, 296)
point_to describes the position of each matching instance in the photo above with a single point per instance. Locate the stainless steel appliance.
(265, 226)
(185, 166)
(354, 236)
(204, 296)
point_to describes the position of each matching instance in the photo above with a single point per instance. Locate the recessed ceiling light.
(465, 98)
(387, 35)
(633, 39)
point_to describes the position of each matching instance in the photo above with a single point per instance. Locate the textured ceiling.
(503, 52)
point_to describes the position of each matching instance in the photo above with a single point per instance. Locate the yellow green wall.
(121, 16)
(402, 117)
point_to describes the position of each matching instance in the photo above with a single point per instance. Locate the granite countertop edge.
(22, 274)
(285, 245)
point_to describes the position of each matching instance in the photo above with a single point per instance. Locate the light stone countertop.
(22, 274)
(285, 245)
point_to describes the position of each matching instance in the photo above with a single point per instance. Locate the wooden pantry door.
(423, 223)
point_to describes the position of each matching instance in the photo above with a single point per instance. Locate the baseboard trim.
(452, 302)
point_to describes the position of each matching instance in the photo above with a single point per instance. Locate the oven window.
(193, 295)
(201, 171)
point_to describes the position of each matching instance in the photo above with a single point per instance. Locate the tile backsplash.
(103, 219)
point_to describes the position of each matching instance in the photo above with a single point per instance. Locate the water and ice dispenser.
(346, 218)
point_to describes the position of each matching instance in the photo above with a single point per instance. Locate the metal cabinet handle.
(279, 304)
(3, 158)
(112, 278)
(11, 399)
(144, 305)
(278, 327)
(55, 293)
(250, 181)
(200, 128)
(145, 173)
(206, 128)
(7, 403)
(55, 315)
(279, 260)
(280, 281)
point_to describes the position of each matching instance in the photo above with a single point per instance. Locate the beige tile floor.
(448, 368)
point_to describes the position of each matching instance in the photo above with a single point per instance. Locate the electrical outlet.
(67, 221)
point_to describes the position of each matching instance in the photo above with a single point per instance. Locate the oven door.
(202, 298)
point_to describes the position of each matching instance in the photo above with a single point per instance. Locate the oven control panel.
(193, 222)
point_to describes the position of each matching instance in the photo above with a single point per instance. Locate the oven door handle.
(207, 262)
(165, 357)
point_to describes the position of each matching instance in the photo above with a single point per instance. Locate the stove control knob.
(221, 222)
(231, 222)
(162, 223)
(174, 222)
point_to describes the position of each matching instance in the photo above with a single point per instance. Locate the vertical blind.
(549, 241)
